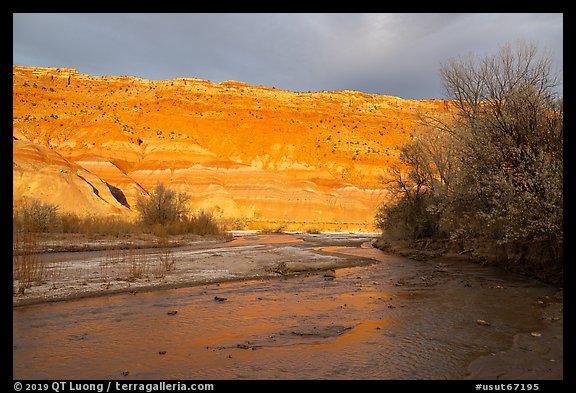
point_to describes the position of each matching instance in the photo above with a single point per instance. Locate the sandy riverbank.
(141, 264)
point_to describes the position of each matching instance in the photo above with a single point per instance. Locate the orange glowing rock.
(269, 157)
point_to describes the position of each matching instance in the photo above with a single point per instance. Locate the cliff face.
(93, 144)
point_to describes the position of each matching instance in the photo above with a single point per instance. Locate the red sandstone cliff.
(93, 144)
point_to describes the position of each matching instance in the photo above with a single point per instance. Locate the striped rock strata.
(249, 152)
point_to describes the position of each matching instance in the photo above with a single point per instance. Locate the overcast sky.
(392, 54)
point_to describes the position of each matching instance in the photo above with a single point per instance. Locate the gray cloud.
(396, 54)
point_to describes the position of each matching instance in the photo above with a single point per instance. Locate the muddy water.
(394, 319)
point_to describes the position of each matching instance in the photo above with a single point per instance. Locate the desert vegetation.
(494, 171)
(27, 269)
(162, 212)
(167, 209)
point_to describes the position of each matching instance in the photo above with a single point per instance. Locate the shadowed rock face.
(242, 151)
(40, 172)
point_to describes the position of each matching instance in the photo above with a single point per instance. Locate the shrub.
(162, 213)
(409, 219)
(36, 216)
(494, 170)
(162, 206)
(201, 223)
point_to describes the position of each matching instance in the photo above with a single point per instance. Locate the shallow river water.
(393, 319)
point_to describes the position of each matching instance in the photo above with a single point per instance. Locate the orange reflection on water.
(186, 332)
(365, 251)
(264, 239)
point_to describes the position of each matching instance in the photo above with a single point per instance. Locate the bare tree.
(162, 206)
(414, 187)
(495, 169)
(510, 132)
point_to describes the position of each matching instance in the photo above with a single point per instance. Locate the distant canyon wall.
(269, 157)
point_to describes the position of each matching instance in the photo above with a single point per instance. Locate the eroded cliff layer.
(93, 144)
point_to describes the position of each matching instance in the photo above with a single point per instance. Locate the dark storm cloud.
(396, 54)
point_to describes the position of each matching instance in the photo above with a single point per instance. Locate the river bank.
(105, 266)
(542, 260)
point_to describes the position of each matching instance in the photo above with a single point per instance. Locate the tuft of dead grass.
(26, 266)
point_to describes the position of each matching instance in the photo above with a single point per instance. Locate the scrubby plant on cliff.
(501, 155)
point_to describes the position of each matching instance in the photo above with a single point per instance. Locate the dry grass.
(130, 263)
(137, 263)
(38, 229)
(27, 268)
(166, 257)
(133, 263)
(43, 218)
(273, 230)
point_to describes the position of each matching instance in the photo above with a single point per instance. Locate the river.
(395, 318)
